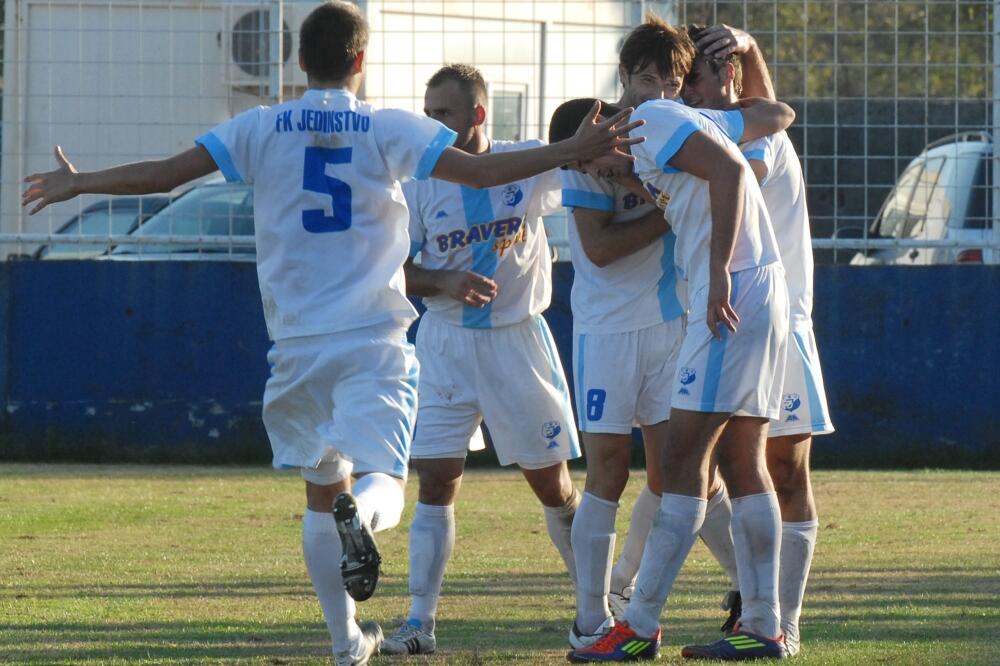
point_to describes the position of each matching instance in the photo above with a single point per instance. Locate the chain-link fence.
(872, 82)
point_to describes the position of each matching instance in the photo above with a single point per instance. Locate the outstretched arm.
(703, 157)
(721, 40)
(593, 139)
(138, 178)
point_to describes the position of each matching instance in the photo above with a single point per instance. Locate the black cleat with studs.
(360, 562)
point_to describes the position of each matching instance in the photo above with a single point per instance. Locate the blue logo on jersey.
(790, 403)
(630, 201)
(687, 376)
(512, 195)
(551, 430)
(440, 214)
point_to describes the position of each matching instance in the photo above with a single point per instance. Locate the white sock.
(798, 540)
(593, 538)
(674, 531)
(322, 550)
(757, 537)
(559, 521)
(432, 538)
(717, 534)
(380, 500)
(643, 513)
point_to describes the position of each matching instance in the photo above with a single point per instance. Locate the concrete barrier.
(166, 361)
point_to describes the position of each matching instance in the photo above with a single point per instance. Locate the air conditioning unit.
(248, 38)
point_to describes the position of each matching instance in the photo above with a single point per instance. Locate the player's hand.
(51, 187)
(720, 311)
(596, 138)
(469, 288)
(718, 41)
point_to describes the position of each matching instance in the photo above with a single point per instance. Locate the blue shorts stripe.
(817, 413)
(557, 380)
(581, 349)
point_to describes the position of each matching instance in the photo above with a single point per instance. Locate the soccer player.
(331, 242)
(485, 351)
(728, 378)
(628, 323)
(717, 82)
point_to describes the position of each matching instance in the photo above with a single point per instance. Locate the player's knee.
(437, 487)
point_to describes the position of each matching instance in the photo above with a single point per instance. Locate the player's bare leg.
(554, 488)
(608, 456)
(788, 462)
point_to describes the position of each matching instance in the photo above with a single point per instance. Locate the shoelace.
(611, 639)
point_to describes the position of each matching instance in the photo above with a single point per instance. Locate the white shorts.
(510, 377)
(623, 379)
(803, 398)
(740, 374)
(341, 402)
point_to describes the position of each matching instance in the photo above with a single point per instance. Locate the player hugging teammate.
(681, 326)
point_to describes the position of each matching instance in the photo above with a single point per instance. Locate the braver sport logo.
(504, 233)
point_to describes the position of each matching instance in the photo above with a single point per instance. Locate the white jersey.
(496, 232)
(687, 204)
(331, 221)
(785, 195)
(631, 293)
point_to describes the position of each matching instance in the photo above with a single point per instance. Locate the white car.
(944, 196)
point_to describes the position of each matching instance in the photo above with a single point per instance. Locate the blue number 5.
(314, 179)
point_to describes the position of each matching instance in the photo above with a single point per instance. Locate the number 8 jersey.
(331, 221)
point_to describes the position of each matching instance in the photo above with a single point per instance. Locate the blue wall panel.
(167, 361)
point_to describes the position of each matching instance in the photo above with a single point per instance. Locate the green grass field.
(124, 564)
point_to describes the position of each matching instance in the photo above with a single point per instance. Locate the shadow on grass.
(484, 616)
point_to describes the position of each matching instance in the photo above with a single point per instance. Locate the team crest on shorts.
(512, 195)
(550, 431)
(687, 376)
(790, 403)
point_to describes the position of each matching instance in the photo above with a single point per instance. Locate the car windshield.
(99, 222)
(915, 198)
(209, 210)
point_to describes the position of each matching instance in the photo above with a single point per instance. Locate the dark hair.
(468, 78)
(694, 31)
(567, 117)
(331, 38)
(658, 42)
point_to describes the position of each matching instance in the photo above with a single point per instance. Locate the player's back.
(785, 195)
(330, 217)
(668, 126)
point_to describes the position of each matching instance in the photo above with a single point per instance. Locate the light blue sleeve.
(668, 125)
(761, 150)
(580, 190)
(233, 145)
(409, 143)
(730, 122)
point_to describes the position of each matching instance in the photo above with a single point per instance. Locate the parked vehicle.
(214, 209)
(944, 194)
(117, 216)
